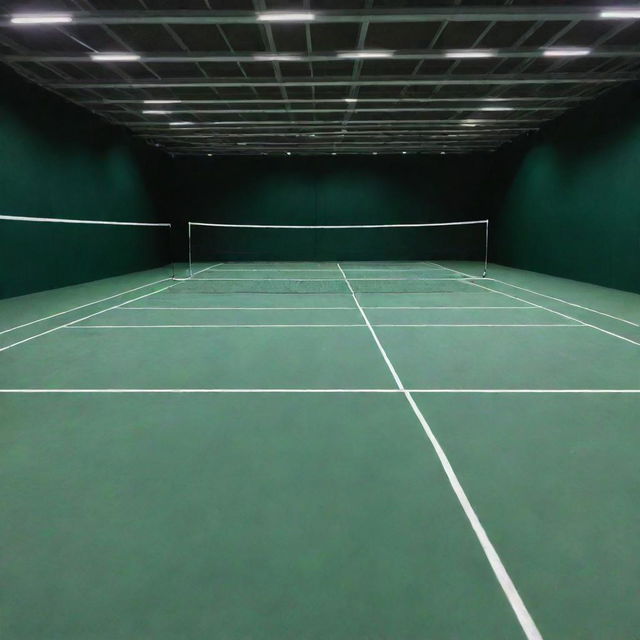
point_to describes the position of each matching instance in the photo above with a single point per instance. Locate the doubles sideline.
(115, 306)
(539, 306)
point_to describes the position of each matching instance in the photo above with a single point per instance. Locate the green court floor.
(444, 465)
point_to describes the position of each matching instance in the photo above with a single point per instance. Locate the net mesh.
(338, 285)
(462, 240)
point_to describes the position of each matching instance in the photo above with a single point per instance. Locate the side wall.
(570, 201)
(334, 190)
(57, 160)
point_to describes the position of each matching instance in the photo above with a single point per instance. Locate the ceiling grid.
(305, 77)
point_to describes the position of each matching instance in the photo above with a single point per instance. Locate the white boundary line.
(573, 304)
(329, 280)
(509, 589)
(88, 304)
(564, 315)
(282, 326)
(395, 390)
(125, 308)
(82, 306)
(115, 306)
(235, 270)
(238, 308)
(497, 326)
(74, 221)
(210, 326)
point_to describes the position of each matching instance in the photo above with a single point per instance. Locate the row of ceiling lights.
(39, 19)
(277, 16)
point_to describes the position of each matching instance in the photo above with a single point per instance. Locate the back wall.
(335, 190)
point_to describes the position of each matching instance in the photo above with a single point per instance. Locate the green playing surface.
(244, 466)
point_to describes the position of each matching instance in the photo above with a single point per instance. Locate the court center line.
(115, 306)
(520, 610)
(558, 313)
(394, 390)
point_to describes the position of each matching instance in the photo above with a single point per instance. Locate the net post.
(486, 248)
(171, 256)
(189, 236)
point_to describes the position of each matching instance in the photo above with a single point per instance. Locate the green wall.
(58, 160)
(334, 190)
(568, 200)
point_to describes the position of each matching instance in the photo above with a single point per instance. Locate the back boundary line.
(125, 308)
(307, 326)
(355, 391)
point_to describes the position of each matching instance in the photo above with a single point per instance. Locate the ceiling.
(351, 76)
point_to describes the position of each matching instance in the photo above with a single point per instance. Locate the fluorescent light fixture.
(404, 153)
(442, 153)
(284, 16)
(351, 99)
(621, 14)
(470, 53)
(496, 109)
(333, 153)
(161, 101)
(209, 155)
(559, 52)
(180, 123)
(41, 18)
(155, 112)
(274, 57)
(468, 124)
(375, 153)
(115, 57)
(365, 54)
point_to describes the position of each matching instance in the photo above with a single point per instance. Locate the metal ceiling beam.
(432, 14)
(230, 132)
(356, 110)
(209, 125)
(405, 134)
(387, 81)
(303, 57)
(338, 100)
